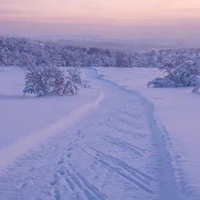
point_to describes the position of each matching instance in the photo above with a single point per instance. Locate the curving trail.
(116, 152)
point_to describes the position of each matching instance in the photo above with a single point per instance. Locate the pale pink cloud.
(117, 18)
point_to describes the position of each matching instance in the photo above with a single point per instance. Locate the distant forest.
(22, 52)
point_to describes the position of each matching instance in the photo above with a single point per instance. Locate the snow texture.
(117, 151)
(177, 111)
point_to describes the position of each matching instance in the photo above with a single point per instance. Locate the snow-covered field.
(26, 120)
(178, 112)
(104, 143)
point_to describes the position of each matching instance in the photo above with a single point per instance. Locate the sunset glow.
(102, 17)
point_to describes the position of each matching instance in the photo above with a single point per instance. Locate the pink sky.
(126, 19)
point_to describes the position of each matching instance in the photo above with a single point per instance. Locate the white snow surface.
(107, 142)
(27, 121)
(178, 112)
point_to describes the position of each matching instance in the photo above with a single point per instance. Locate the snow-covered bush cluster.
(43, 80)
(184, 75)
(23, 52)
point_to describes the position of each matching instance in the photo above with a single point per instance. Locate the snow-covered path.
(116, 152)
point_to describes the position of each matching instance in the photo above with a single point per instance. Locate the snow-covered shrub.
(86, 84)
(160, 82)
(184, 75)
(73, 81)
(70, 87)
(197, 87)
(44, 80)
(75, 78)
(75, 75)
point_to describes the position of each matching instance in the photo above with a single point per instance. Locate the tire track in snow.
(168, 183)
(138, 178)
(127, 131)
(137, 116)
(124, 145)
(76, 182)
(131, 123)
(161, 140)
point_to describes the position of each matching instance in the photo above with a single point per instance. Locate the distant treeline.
(22, 52)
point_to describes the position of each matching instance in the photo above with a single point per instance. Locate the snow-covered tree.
(186, 74)
(44, 80)
(16, 51)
